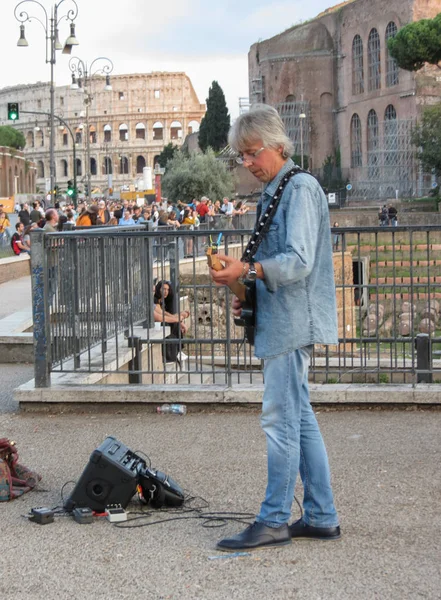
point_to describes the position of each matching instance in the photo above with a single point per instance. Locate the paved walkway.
(15, 295)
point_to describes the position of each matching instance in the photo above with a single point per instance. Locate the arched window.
(357, 66)
(356, 142)
(123, 132)
(107, 166)
(140, 164)
(158, 131)
(193, 127)
(140, 131)
(30, 139)
(392, 77)
(390, 136)
(176, 130)
(39, 137)
(92, 134)
(40, 169)
(107, 133)
(372, 144)
(93, 166)
(64, 136)
(374, 61)
(124, 165)
(290, 98)
(63, 164)
(79, 167)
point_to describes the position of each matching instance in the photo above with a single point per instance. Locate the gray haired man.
(296, 308)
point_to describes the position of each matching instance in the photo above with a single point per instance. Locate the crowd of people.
(64, 216)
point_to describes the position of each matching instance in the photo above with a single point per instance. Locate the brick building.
(128, 126)
(355, 104)
(17, 174)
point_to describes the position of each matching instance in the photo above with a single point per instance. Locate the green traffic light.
(13, 116)
(13, 111)
(70, 192)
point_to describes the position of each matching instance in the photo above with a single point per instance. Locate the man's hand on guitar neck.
(232, 271)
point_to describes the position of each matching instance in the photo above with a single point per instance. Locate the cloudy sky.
(209, 41)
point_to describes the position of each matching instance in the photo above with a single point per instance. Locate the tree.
(197, 175)
(213, 132)
(417, 43)
(12, 138)
(167, 154)
(427, 137)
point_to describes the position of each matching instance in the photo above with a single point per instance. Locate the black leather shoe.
(256, 536)
(299, 529)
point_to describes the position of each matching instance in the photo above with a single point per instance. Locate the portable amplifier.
(110, 477)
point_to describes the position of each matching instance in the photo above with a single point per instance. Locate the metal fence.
(93, 308)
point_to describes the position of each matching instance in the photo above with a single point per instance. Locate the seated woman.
(163, 313)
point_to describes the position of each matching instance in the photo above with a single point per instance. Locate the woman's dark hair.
(118, 213)
(61, 221)
(168, 302)
(94, 219)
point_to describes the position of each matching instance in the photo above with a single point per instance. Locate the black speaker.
(110, 477)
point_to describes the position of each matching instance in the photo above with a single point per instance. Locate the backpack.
(14, 244)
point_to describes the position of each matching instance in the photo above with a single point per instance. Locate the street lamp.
(81, 79)
(301, 117)
(50, 25)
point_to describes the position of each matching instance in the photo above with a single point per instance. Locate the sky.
(207, 40)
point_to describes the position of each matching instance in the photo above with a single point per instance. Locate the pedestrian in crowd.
(17, 244)
(17, 207)
(4, 224)
(217, 207)
(126, 219)
(89, 217)
(103, 212)
(202, 209)
(383, 215)
(335, 239)
(52, 217)
(24, 215)
(393, 216)
(295, 309)
(36, 212)
(27, 235)
(173, 221)
(137, 214)
(164, 313)
(70, 217)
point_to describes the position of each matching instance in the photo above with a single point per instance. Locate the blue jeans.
(294, 443)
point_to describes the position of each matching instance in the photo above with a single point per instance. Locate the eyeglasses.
(241, 159)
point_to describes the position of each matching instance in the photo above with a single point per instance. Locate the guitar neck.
(238, 288)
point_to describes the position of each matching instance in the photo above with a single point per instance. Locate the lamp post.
(301, 117)
(81, 76)
(50, 25)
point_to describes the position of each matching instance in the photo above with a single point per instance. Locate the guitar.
(246, 292)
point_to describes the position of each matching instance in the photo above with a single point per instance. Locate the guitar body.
(248, 317)
(246, 292)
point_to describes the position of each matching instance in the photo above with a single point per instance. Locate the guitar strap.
(263, 224)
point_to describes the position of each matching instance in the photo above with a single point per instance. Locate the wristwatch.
(252, 273)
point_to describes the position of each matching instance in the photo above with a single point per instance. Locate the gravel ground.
(387, 484)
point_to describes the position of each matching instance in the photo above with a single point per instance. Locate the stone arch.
(158, 130)
(107, 129)
(123, 132)
(140, 164)
(40, 169)
(64, 167)
(140, 131)
(30, 139)
(176, 130)
(193, 126)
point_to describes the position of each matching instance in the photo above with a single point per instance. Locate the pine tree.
(215, 125)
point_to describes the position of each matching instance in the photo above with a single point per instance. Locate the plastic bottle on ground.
(175, 409)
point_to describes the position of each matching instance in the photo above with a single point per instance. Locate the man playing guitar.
(296, 308)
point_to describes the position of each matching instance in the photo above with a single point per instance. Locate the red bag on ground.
(15, 479)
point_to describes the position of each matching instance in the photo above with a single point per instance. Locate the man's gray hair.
(261, 122)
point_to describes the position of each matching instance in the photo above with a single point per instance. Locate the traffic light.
(13, 111)
(70, 188)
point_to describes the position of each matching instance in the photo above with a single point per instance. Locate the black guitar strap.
(263, 224)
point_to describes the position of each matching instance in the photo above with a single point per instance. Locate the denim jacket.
(296, 303)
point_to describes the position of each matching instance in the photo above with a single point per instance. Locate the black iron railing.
(93, 307)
